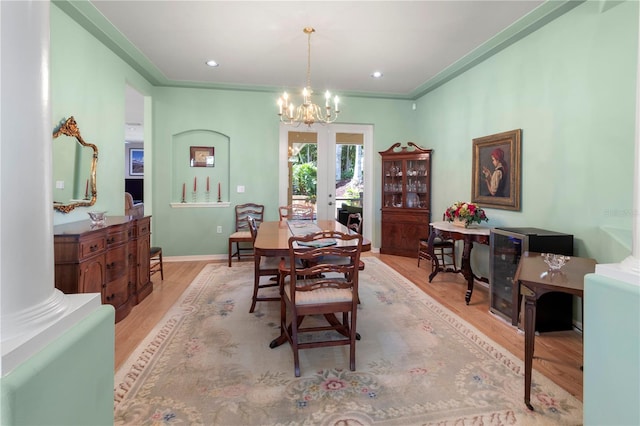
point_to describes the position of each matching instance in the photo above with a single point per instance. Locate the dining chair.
(242, 236)
(264, 266)
(155, 262)
(302, 211)
(285, 212)
(354, 222)
(314, 287)
(445, 250)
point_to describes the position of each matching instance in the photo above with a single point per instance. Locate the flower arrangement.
(467, 213)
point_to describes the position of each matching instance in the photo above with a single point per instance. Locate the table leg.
(432, 236)
(466, 268)
(529, 336)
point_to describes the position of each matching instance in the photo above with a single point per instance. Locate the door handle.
(330, 203)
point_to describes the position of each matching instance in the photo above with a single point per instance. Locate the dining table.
(273, 240)
(273, 237)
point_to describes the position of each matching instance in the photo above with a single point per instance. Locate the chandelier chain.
(309, 56)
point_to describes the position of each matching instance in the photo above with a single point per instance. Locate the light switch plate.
(59, 184)
(240, 188)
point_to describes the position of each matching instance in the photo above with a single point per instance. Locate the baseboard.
(196, 258)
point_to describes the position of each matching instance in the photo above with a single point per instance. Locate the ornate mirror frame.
(70, 128)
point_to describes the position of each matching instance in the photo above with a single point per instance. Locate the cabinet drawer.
(91, 247)
(143, 227)
(116, 236)
(116, 263)
(116, 292)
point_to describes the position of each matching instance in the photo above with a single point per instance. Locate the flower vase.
(459, 222)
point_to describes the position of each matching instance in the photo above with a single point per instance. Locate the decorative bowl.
(97, 218)
(555, 261)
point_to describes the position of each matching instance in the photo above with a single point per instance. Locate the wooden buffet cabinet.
(406, 198)
(111, 259)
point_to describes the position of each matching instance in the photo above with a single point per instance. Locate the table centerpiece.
(464, 214)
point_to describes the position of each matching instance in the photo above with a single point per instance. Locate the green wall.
(249, 120)
(611, 351)
(69, 382)
(570, 87)
(88, 82)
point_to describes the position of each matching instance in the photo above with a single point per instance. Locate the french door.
(341, 156)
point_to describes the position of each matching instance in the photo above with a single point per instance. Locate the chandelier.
(308, 113)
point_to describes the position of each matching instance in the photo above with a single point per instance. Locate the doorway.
(134, 144)
(328, 166)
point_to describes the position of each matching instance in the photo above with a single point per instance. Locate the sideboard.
(110, 259)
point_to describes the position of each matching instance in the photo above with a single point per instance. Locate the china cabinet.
(507, 245)
(406, 198)
(110, 259)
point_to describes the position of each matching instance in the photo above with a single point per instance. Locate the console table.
(448, 231)
(536, 279)
(110, 259)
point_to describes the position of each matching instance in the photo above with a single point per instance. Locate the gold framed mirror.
(74, 168)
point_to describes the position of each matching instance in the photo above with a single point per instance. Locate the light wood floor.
(558, 355)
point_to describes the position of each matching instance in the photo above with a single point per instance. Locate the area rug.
(208, 362)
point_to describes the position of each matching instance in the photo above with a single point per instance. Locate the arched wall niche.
(184, 173)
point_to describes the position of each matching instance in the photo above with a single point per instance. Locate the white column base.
(27, 332)
(626, 271)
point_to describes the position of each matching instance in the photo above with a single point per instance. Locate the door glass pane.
(303, 168)
(349, 169)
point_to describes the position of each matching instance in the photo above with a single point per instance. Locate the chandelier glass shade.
(308, 112)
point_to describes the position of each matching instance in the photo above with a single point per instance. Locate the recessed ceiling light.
(212, 63)
(377, 74)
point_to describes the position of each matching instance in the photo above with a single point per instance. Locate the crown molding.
(88, 17)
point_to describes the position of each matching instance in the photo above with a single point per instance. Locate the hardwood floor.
(558, 355)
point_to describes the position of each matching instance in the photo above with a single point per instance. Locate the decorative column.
(32, 311)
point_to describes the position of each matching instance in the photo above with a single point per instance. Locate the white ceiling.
(260, 44)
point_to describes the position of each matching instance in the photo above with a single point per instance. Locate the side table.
(536, 279)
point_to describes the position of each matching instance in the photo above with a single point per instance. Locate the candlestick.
(195, 181)
(219, 199)
(184, 187)
(86, 190)
(207, 183)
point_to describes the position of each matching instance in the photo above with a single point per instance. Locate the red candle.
(218, 190)
(184, 187)
(207, 183)
(86, 190)
(195, 180)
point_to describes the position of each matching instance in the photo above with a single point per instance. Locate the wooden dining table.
(273, 240)
(273, 237)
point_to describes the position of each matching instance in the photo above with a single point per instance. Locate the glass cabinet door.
(416, 183)
(392, 183)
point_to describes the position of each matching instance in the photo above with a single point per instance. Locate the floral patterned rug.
(208, 362)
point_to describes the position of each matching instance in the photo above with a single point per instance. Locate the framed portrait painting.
(136, 162)
(202, 156)
(495, 180)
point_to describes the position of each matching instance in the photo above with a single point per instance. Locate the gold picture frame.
(496, 174)
(202, 156)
